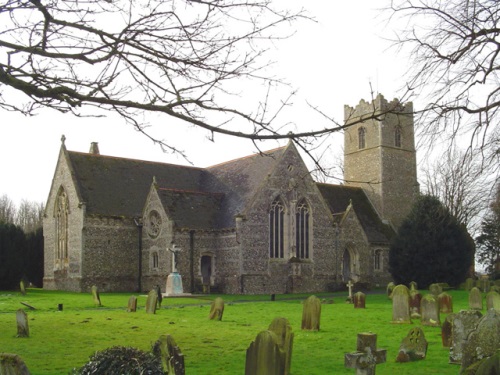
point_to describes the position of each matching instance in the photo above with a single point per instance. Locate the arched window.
(276, 229)
(397, 136)
(302, 230)
(155, 260)
(377, 260)
(61, 214)
(361, 137)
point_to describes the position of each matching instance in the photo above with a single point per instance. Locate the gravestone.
(415, 298)
(435, 289)
(483, 285)
(359, 300)
(429, 309)
(445, 302)
(489, 366)
(463, 324)
(413, 285)
(151, 302)
(22, 289)
(159, 296)
(264, 356)
(389, 289)
(132, 304)
(366, 356)
(311, 314)
(12, 364)
(401, 305)
(216, 309)
(171, 356)
(493, 301)
(349, 286)
(23, 329)
(469, 284)
(446, 330)
(475, 299)
(95, 295)
(413, 347)
(283, 330)
(483, 341)
(174, 279)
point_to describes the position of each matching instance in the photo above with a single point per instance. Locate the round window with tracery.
(154, 224)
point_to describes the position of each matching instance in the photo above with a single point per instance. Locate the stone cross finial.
(175, 253)
(366, 356)
(63, 139)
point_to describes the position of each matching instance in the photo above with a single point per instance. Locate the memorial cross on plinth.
(367, 355)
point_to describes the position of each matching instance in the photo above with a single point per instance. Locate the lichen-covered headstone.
(366, 356)
(413, 347)
(389, 289)
(483, 341)
(23, 329)
(469, 284)
(95, 295)
(401, 305)
(171, 356)
(435, 289)
(132, 304)
(446, 330)
(475, 299)
(415, 298)
(216, 309)
(283, 330)
(445, 302)
(493, 301)
(487, 366)
(311, 314)
(359, 300)
(12, 364)
(463, 324)
(151, 302)
(22, 288)
(429, 309)
(483, 285)
(413, 285)
(264, 356)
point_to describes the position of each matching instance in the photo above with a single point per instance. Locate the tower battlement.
(378, 105)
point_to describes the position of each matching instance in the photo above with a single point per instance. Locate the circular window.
(154, 224)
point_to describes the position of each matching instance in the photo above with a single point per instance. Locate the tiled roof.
(338, 198)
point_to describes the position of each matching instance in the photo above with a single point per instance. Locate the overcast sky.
(331, 63)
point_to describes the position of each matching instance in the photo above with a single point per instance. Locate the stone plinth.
(174, 284)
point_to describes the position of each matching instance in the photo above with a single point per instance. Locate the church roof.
(338, 198)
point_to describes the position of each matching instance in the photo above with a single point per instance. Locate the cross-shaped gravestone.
(367, 355)
(349, 286)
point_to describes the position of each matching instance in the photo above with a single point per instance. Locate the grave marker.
(349, 286)
(283, 330)
(366, 356)
(493, 301)
(483, 285)
(311, 314)
(216, 309)
(23, 329)
(264, 356)
(171, 356)
(475, 299)
(463, 324)
(413, 347)
(413, 285)
(415, 298)
(445, 302)
(159, 296)
(469, 284)
(12, 364)
(22, 288)
(435, 289)
(151, 302)
(132, 304)
(446, 328)
(429, 308)
(389, 289)
(95, 295)
(401, 305)
(359, 300)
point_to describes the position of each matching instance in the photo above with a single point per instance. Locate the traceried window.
(361, 137)
(377, 260)
(276, 229)
(61, 215)
(302, 230)
(397, 136)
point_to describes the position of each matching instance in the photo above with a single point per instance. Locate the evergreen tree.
(431, 246)
(12, 255)
(488, 242)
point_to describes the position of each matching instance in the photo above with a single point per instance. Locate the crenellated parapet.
(377, 106)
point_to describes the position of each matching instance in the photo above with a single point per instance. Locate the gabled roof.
(338, 198)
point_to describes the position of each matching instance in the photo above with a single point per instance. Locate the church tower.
(380, 156)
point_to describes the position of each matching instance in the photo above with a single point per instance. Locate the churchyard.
(66, 328)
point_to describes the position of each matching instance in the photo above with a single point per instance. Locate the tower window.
(397, 136)
(361, 137)
(276, 230)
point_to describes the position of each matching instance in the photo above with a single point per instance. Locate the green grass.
(61, 340)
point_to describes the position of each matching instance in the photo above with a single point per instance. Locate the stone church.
(259, 224)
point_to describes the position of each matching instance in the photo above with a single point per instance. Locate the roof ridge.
(247, 157)
(200, 192)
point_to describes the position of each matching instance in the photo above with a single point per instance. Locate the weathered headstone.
(446, 330)
(415, 298)
(493, 301)
(159, 296)
(311, 314)
(389, 289)
(469, 284)
(429, 309)
(171, 356)
(359, 300)
(283, 330)
(264, 356)
(445, 302)
(413, 285)
(413, 347)
(366, 356)
(23, 329)
(22, 289)
(401, 305)
(151, 302)
(483, 341)
(463, 324)
(95, 295)
(12, 364)
(435, 289)
(489, 366)
(132, 304)
(216, 309)
(483, 285)
(475, 299)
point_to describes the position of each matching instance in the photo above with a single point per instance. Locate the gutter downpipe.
(191, 259)
(139, 225)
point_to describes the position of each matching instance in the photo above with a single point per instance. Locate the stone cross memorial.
(366, 356)
(174, 279)
(349, 287)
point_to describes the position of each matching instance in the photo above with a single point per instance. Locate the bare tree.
(455, 58)
(488, 242)
(7, 210)
(29, 215)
